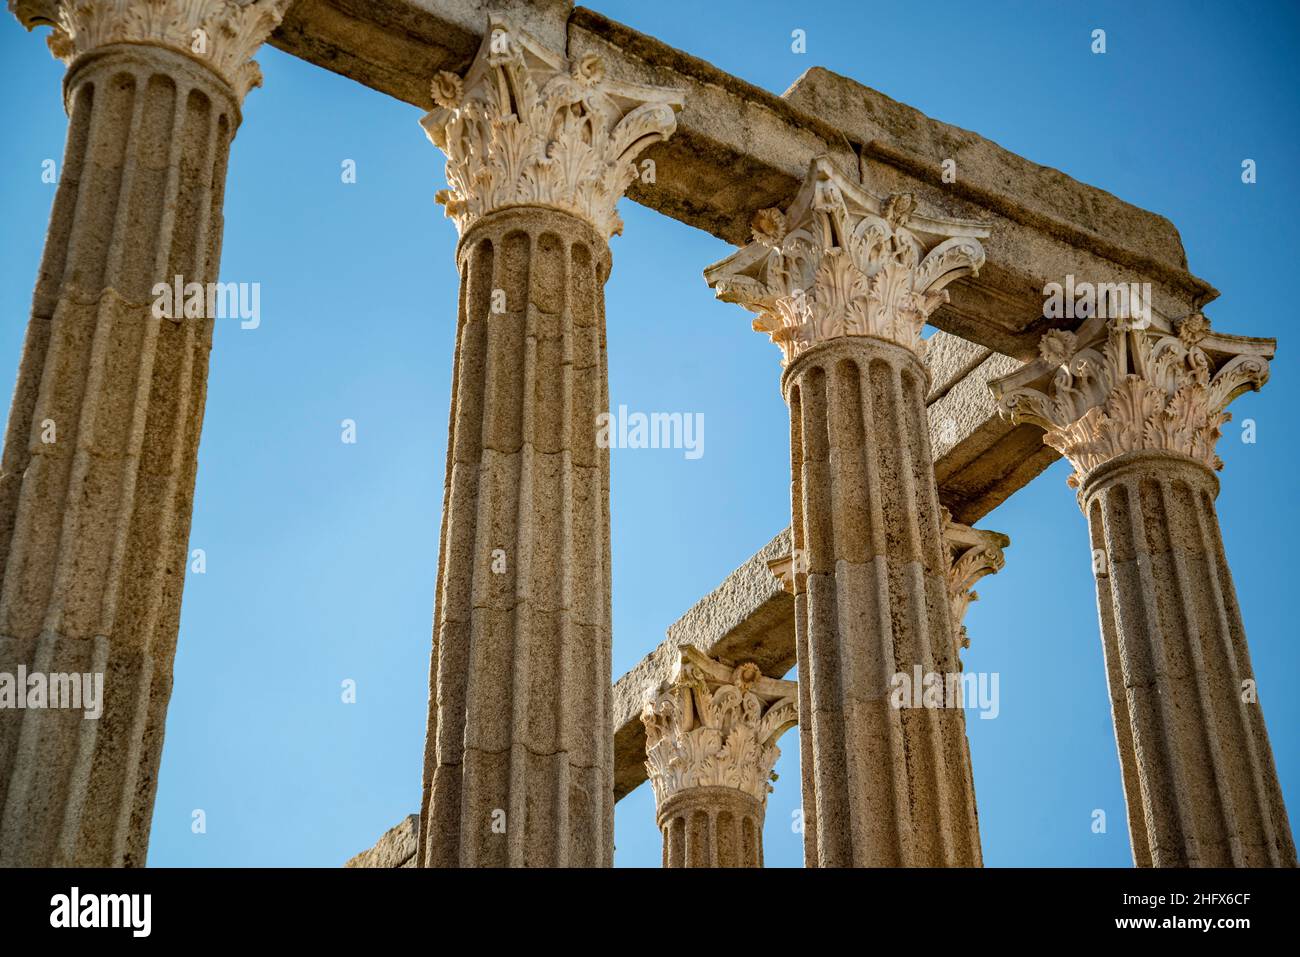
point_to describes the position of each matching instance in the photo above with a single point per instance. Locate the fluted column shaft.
(523, 774)
(712, 827)
(1198, 771)
(890, 786)
(94, 525)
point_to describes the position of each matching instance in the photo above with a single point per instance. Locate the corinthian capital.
(842, 261)
(972, 554)
(716, 726)
(1134, 389)
(223, 34)
(526, 127)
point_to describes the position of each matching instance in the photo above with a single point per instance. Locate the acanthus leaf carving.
(716, 726)
(223, 34)
(1140, 389)
(844, 262)
(972, 554)
(525, 127)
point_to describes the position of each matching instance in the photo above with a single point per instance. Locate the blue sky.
(321, 555)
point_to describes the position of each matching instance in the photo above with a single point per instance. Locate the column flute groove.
(842, 280)
(97, 476)
(539, 149)
(1137, 409)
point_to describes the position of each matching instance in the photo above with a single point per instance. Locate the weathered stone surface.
(739, 149)
(711, 827)
(98, 472)
(518, 769)
(990, 177)
(1043, 224)
(843, 281)
(883, 786)
(523, 642)
(395, 848)
(1137, 409)
(981, 458)
(1199, 777)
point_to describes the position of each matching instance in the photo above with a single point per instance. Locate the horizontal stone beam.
(395, 848)
(1044, 225)
(739, 148)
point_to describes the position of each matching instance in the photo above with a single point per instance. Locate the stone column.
(710, 749)
(519, 767)
(1137, 412)
(99, 459)
(843, 282)
(973, 553)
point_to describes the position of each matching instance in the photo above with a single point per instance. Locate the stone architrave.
(843, 281)
(97, 478)
(710, 748)
(518, 754)
(1137, 410)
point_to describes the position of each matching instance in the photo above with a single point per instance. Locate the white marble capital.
(841, 261)
(526, 126)
(222, 34)
(1116, 387)
(715, 725)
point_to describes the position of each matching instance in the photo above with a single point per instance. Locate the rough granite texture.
(396, 848)
(520, 772)
(883, 786)
(712, 827)
(94, 525)
(1199, 777)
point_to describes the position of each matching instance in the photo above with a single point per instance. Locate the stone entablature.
(842, 261)
(527, 127)
(223, 34)
(547, 136)
(716, 726)
(1115, 388)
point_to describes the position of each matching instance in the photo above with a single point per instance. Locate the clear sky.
(321, 555)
